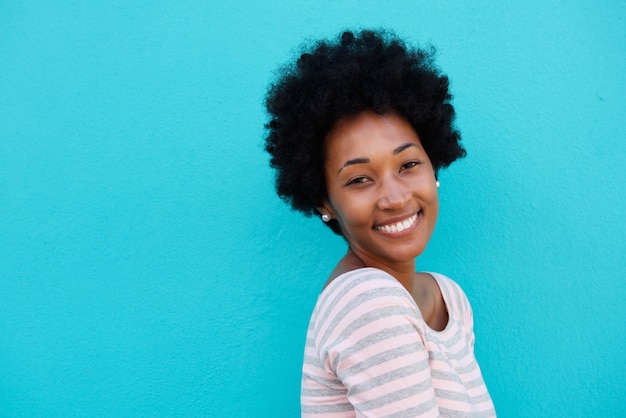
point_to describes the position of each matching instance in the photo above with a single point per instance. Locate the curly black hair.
(333, 80)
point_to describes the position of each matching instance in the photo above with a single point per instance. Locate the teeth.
(400, 226)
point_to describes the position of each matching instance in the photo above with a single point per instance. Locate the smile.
(399, 226)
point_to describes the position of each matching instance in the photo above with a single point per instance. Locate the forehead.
(368, 134)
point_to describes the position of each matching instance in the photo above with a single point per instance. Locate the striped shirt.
(369, 353)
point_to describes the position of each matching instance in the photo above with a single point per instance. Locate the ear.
(326, 208)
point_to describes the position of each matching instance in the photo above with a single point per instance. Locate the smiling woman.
(381, 190)
(359, 129)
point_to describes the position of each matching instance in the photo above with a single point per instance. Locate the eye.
(357, 181)
(409, 164)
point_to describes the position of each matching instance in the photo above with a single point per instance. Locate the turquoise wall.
(148, 269)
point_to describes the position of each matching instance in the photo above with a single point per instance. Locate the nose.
(394, 194)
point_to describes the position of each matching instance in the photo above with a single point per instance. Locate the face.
(381, 188)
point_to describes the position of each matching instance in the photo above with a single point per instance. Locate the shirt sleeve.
(460, 307)
(369, 334)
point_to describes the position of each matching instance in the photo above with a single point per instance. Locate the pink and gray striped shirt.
(369, 353)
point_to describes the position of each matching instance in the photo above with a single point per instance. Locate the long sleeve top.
(369, 353)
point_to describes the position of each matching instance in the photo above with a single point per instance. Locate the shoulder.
(448, 285)
(361, 285)
(369, 275)
(455, 298)
(366, 298)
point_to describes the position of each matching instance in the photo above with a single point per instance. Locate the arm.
(370, 337)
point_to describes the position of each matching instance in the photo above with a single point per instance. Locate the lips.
(398, 226)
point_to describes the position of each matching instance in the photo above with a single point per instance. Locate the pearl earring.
(325, 217)
(437, 183)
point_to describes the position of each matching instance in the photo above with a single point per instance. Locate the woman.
(359, 129)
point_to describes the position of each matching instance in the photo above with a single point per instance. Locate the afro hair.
(333, 80)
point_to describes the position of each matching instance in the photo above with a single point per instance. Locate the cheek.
(425, 189)
(434, 200)
(352, 211)
(435, 195)
(353, 214)
(434, 205)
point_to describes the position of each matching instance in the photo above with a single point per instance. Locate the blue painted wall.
(147, 268)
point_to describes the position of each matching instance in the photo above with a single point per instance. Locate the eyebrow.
(352, 162)
(403, 147)
(396, 151)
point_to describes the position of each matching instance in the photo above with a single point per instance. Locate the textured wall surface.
(148, 269)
